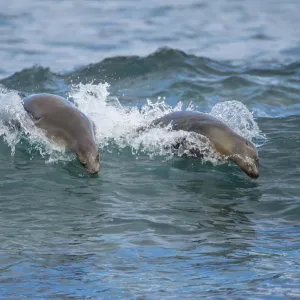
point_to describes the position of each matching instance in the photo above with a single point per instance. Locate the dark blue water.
(151, 225)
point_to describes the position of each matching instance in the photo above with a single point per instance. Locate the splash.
(237, 116)
(117, 125)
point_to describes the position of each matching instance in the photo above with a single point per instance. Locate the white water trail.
(116, 124)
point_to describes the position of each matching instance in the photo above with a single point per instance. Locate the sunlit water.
(151, 225)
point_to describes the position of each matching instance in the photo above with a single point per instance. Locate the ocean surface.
(151, 224)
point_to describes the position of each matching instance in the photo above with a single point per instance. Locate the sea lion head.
(246, 157)
(236, 149)
(88, 155)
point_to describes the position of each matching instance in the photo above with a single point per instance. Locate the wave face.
(152, 225)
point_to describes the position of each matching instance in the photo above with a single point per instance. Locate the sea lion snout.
(91, 162)
(247, 164)
(252, 169)
(93, 168)
(88, 155)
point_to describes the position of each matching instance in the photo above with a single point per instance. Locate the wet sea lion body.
(63, 122)
(223, 139)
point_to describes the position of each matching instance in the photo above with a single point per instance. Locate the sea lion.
(63, 122)
(223, 139)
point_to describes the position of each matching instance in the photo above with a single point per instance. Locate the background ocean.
(151, 225)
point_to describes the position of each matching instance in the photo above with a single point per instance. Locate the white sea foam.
(117, 124)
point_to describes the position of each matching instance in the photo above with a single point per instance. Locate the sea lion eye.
(247, 143)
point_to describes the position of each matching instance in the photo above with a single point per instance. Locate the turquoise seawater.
(151, 225)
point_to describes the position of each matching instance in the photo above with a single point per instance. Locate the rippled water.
(150, 225)
(66, 34)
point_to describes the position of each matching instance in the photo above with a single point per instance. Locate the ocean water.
(151, 225)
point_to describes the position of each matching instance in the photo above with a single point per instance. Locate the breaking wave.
(117, 125)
